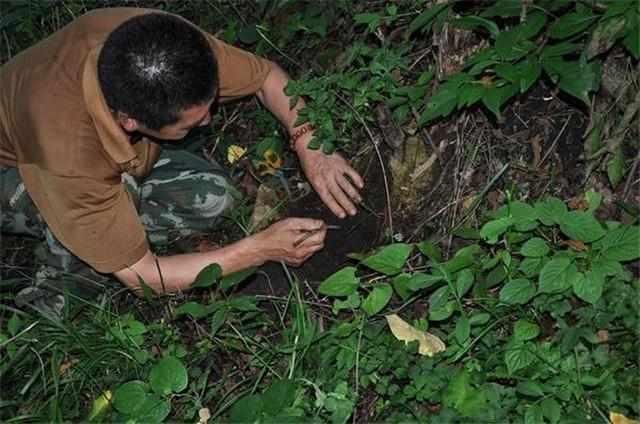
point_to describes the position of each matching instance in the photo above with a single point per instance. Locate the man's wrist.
(302, 132)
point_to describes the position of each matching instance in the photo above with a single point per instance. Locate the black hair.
(154, 66)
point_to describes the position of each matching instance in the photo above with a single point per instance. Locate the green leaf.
(518, 357)
(594, 200)
(531, 266)
(517, 292)
(530, 72)
(15, 324)
(495, 97)
(243, 304)
(278, 396)
(589, 286)
(400, 284)
(440, 104)
(621, 244)
(236, 278)
(580, 79)
(246, 410)
(615, 167)
(249, 35)
(551, 409)
(430, 250)
(580, 225)
(551, 211)
(557, 275)
(495, 277)
(524, 330)
(420, 280)
(463, 258)
(208, 276)
(129, 397)
(494, 229)
(463, 330)
(443, 312)
(533, 415)
(377, 299)
(463, 397)
(423, 21)
(479, 318)
(168, 376)
(530, 388)
(472, 22)
(390, 259)
(571, 24)
(534, 248)
(195, 309)
(352, 302)
(504, 9)
(631, 39)
(217, 320)
(605, 35)
(153, 410)
(469, 94)
(560, 49)
(342, 283)
(464, 282)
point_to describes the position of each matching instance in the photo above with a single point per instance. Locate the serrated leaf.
(428, 344)
(621, 244)
(208, 276)
(551, 211)
(390, 259)
(583, 226)
(517, 292)
(494, 229)
(534, 248)
(278, 396)
(463, 397)
(524, 330)
(557, 275)
(377, 299)
(518, 357)
(342, 283)
(168, 376)
(589, 286)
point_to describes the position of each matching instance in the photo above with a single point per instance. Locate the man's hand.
(289, 241)
(335, 181)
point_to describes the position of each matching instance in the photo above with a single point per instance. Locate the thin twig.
(555, 141)
(632, 172)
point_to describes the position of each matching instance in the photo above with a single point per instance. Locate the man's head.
(154, 69)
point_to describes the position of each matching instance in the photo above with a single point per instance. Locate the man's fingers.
(305, 224)
(348, 187)
(332, 204)
(343, 200)
(355, 177)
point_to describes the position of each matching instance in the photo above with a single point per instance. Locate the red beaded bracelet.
(299, 133)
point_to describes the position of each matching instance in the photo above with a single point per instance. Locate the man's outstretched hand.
(335, 181)
(292, 240)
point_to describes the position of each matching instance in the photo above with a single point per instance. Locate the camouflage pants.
(183, 195)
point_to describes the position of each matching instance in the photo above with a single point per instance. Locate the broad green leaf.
(504, 9)
(517, 292)
(463, 258)
(551, 409)
(529, 73)
(463, 329)
(464, 282)
(195, 309)
(439, 297)
(594, 200)
(469, 94)
(236, 278)
(153, 410)
(495, 277)
(243, 304)
(615, 167)
(494, 229)
(168, 376)
(129, 397)
(420, 280)
(352, 302)
(524, 330)
(533, 414)
(423, 21)
(400, 284)
(377, 299)
(551, 211)
(534, 248)
(589, 286)
(605, 35)
(560, 49)
(495, 97)
(621, 244)
(530, 388)
(557, 275)
(217, 320)
(580, 225)
(430, 250)
(442, 103)
(463, 397)
(519, 357)
(208, 276)
(278, 396)
(479, 318)
(531, 266)
(607, 266)
(580, 79)
(100, 406)
(570, 24)
(246, 410)
(631, 39)
(442, 313)
(390, 259)
(342, 283)
(370, 19)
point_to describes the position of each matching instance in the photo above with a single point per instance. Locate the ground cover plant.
(492, 274)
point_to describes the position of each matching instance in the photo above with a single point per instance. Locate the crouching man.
(81, 114)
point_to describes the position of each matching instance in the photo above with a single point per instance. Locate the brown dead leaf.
(578, 203)
(536, 147)
(576, 245)
(429, 344)
(65, 366)
(616, 418)
(603, 336)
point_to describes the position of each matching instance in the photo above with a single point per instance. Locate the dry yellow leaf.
(616, 418)
(429, 344)
(235, 152)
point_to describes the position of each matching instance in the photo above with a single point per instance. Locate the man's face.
(190, 118)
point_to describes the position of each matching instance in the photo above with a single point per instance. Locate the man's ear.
(128, 123)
